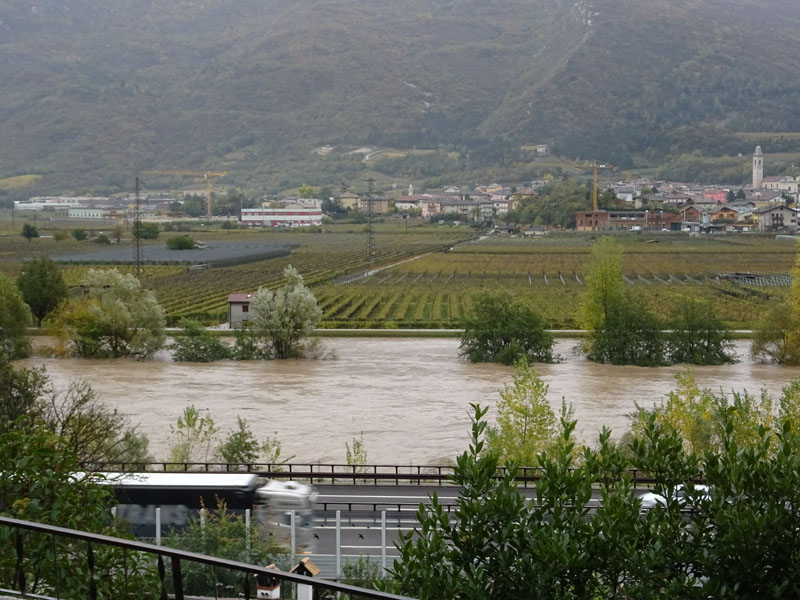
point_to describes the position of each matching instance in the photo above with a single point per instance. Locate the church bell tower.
(758, 168)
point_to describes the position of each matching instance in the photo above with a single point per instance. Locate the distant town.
(769, 204)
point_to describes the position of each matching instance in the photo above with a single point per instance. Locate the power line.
(137, 234)
(370, 224)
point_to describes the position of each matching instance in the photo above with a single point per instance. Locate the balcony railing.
(80, 557)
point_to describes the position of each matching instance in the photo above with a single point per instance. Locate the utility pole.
(137, 234)
(370, 226)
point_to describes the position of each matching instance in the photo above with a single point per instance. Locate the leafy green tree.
(777, 333)
(196, 344)
(20, 390)
(195, 435)
(773, 340)
(38, 483)
(246, 346)
(145, 231)
(96, 434)
(698, 336)
(79, 234)
(497, 545)
(180, 242)
(630, 335)
(102, 239)
(241, 446)
(502, 328)
(688, 410)
(753, 518)
(15, 317)
(604, 286)
(29, 232)
(621, 329)
(526, 424)
(699, 416)
(284, 319)
(42, 286)
(306, 191)
(113, 317)
(356, 455)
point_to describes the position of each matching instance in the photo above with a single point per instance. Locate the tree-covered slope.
(96, 91)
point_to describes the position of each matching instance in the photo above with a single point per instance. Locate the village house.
(625, 193)
(412, 202)
(493, 188)
(349, 200)
(239, 309)
(723, 213)
(763, 197)
(718, 195)
(776, 218)
(379, 205)
(689, 213)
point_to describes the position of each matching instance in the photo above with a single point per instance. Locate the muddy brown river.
(409, 396)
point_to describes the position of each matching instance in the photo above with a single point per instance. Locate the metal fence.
(337, 473)
(170, 586)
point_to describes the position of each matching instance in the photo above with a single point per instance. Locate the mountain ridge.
(95, 92)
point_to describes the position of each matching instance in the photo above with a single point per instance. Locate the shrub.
(180, 242)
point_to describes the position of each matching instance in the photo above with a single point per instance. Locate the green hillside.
(94, 92)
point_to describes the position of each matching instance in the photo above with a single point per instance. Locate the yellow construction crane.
(594, 186)
(207, 175)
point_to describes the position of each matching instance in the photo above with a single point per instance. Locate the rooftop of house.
(240, 297)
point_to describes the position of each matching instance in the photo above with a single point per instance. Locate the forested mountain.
(94, 91)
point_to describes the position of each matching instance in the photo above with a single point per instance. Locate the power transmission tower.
(370, 225)
(137, 234)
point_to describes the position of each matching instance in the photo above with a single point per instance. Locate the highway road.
(361, 529)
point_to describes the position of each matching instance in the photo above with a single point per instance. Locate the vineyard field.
(426, 277)
(740, 276)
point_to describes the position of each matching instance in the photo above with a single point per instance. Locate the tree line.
(622, 329)
(110, 314)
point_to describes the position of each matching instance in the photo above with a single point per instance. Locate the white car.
(651, 500)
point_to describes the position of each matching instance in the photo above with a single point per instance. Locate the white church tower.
(758, 168)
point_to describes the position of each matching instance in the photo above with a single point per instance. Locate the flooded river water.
(409, 396)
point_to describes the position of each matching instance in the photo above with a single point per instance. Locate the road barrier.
(338, 473)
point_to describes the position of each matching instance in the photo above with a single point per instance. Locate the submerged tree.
(772, 337)
(503, 328)
(284, 319)
(621, 328)
(196, 344)
(698, 336)
(113, 317)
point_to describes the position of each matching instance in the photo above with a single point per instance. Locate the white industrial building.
(291, 215)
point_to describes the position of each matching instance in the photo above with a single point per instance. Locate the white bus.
(180, 495)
